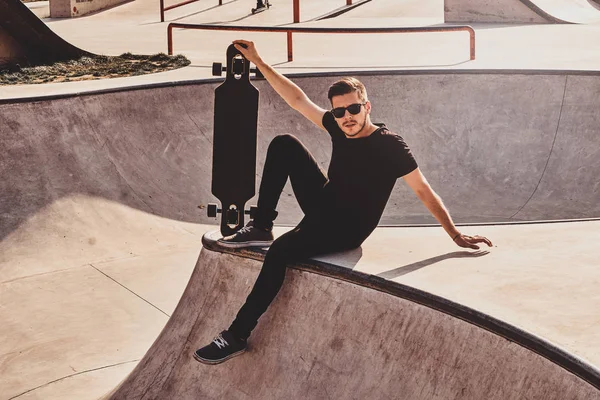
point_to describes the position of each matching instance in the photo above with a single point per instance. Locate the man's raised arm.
(287, 89)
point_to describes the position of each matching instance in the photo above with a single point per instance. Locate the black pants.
(287, 157)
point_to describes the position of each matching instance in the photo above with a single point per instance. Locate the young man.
(341, 208)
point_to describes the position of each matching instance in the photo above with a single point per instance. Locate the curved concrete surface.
(522, 142)
(25, 39)
(99, 219)
(341, 335)
(522, 11)
(107, 201)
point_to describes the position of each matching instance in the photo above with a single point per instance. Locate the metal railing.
(297, 9)
(163, 8)
(290, 30)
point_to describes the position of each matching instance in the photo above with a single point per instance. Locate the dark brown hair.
(348, 85)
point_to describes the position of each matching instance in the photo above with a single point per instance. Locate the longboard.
(234, 143)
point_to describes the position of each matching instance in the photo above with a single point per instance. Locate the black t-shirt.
(362, 174)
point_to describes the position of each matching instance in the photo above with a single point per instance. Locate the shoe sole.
(219, 361)
(239, 245)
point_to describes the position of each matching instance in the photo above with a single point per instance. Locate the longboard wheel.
(217, 69)
(212, 210)
(252, 212)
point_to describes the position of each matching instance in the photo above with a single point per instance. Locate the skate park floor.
(89, 279)
(498, 46)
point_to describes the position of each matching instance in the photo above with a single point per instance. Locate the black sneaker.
(222, 348)
(248, 236)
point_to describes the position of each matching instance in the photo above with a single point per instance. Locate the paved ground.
(103, 195)
(499, 46)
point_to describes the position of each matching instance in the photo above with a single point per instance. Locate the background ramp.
(26, 40)
(522, 11)
(524, 141)
(335, 333)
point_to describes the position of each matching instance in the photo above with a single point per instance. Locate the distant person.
(261, 6)
(341, 208)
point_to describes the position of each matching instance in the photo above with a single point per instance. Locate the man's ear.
(368, 106)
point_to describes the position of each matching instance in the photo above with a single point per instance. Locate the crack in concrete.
(70, 376)
(562, 104)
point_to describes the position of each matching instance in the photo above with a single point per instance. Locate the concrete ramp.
(26, 40)
(525, 142)
(339, 334)
(111, 179)
(522, 11)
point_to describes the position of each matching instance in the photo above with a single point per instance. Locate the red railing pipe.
(296, 11)
(290, 30)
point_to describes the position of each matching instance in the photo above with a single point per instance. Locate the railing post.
(296, 11)
(162, 10)
(472, 40)
(348, 2)
(290, 47)
(220, 2)
(170, 39)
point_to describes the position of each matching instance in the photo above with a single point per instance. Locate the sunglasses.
(353, 109)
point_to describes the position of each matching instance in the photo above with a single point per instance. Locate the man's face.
(350, 124)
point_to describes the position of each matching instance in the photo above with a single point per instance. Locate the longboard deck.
(235, 141)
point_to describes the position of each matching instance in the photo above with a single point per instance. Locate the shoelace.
(246, 229)
(220, 342)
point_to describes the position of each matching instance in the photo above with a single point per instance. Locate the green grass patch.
(92, 67)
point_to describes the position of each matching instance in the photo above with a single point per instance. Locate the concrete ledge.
(338, 333)
(77, 8)
(335, 270)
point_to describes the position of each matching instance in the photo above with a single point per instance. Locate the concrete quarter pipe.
(525, 142)
(522, 11)
(334, 333)
(26, 40)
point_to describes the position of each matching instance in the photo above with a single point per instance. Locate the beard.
(362, 127)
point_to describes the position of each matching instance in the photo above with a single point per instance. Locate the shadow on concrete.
(407, 269)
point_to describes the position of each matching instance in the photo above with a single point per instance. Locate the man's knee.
(284, 142)
(278, 248)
